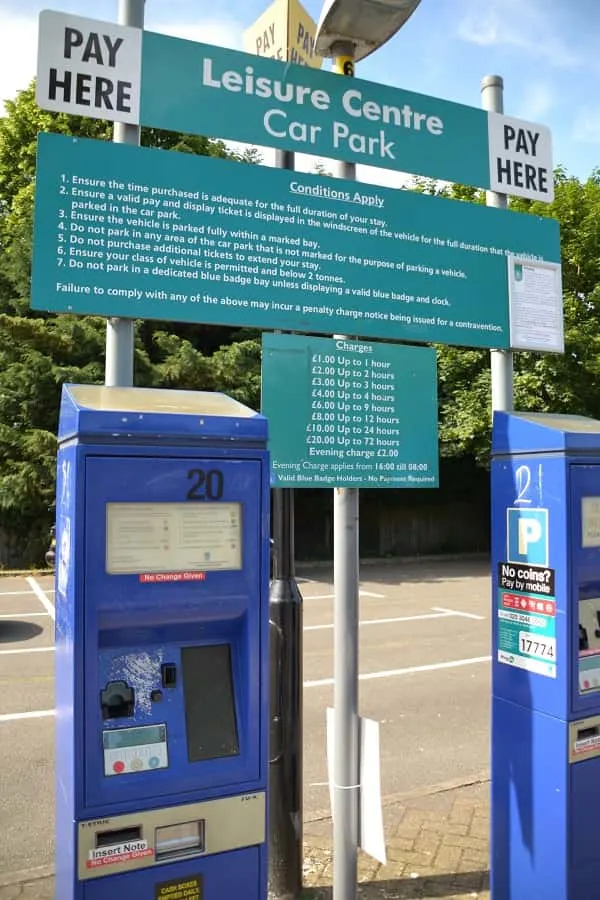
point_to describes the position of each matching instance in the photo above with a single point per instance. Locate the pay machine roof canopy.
(543, 432)
(89, 411)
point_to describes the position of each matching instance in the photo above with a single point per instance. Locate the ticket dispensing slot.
(177, 841)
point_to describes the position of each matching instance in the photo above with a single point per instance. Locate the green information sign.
(104, 70)
(200, 89)
(349, 414)
(139, 233)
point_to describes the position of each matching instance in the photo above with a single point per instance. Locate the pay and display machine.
(546, 657)
(162, 569)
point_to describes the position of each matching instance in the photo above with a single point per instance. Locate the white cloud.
(536, 102)
(18, 53)
(18, 44)
(218, 32)
(586, 127)
(525, 24)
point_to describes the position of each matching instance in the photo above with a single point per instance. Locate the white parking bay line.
(27, 650)
(330, 596)
(27, 615)
(42, 597)
(455, 612)
(434, 615)
(394, 673)
(34, 714)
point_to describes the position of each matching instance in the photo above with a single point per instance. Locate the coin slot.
(117, 700)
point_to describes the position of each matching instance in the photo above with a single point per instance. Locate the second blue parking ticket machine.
(546, 658)
(162, 571)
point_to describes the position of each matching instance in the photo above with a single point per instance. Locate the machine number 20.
(206, 485)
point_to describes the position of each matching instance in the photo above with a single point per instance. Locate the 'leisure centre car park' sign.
(114, 72)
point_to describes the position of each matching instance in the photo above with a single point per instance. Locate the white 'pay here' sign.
(520, 158)
(89, 68)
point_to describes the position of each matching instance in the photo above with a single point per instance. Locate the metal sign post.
(501, 361)
(120, 333)
(346, 576)
(286, 645)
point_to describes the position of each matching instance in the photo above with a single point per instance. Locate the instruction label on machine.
(531, 579)
(527, 632)
(118, 853)
(180, 889)
(164, 538)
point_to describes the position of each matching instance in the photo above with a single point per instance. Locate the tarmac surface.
(424, 676)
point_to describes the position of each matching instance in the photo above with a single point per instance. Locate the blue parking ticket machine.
(162, 569)
(546, 657)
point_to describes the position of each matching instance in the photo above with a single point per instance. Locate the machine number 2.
(523, 484)
(206, 485)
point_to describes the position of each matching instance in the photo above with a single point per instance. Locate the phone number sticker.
(526, 632)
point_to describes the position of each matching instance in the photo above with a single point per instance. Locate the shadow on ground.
(459, 884)
(411, 571)
(14, 630)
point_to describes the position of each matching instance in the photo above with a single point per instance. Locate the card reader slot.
(118, 836)
(183, 839)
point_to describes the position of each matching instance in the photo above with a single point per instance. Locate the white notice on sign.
(520, 158)
(536, 305)
(89, 68)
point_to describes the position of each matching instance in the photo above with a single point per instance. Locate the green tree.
(39, 352)
(543, 382)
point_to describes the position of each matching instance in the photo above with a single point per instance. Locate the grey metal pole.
(501, 361)
(120, 332)
(346, 564)
(285, 750)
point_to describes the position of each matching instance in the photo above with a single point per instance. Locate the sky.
(547, 52)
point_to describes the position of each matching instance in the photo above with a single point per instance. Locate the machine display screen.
(209, 702)
(118, 738)
(173, 537)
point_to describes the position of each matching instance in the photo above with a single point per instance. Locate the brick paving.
(437, 847)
